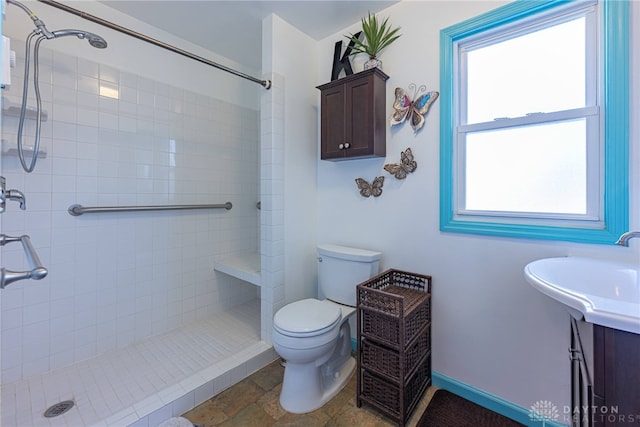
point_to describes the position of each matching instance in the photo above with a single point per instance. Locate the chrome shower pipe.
(40, 27)
(265, 83)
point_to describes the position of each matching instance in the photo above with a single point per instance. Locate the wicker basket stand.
(394, 342)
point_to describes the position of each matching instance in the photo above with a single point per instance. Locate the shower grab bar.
(37, 270)
(77, 210)
(265, 83)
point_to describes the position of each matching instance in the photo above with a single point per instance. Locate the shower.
(125, 281)
(37, 36)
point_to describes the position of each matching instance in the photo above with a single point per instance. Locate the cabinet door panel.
(617, 376)
(361, 121)
(333, 122)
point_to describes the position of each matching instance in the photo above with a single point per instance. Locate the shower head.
(93, 39)
(96, 41)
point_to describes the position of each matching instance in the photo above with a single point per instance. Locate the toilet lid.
(307, 317)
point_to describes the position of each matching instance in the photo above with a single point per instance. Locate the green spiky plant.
(377, 36)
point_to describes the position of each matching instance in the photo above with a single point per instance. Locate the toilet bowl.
(313, 336)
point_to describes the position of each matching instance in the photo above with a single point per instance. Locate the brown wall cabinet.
(605, 377)
(353, 116)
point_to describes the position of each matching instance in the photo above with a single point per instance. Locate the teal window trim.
(616, 126)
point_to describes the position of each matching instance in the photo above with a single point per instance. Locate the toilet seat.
(307, 318)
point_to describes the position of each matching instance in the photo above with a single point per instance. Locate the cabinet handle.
(341, 146)
(347, 145)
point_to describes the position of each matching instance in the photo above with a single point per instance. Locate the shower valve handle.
(10, 195)
(17, 196)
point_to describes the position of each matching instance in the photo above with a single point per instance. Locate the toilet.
(313, 335)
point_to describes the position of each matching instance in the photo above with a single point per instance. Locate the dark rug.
(448, 410)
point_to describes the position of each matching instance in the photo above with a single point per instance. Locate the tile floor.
(149, 382)
(255, 402)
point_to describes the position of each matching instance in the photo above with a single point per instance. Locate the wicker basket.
(396, 402)
(394, 307)
(394, 342)
(394, 364)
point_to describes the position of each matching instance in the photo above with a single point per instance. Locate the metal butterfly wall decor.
(413, 108)
(407, 165)
(374, 189)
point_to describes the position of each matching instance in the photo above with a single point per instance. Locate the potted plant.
(377, 36)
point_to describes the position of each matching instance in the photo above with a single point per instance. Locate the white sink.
(606, 293)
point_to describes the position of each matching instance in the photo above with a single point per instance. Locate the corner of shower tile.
(148, 405)
(222, 382)
(122, 418)
(170, 394)
(159, 415)
(238, 373)
(142, 422)
(183, 404)
(203, 393)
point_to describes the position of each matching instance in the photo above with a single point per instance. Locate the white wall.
(491, 330)
(175, 136)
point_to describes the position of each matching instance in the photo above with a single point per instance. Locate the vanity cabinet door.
(616, 377)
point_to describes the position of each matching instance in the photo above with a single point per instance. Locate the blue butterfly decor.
(412, 107)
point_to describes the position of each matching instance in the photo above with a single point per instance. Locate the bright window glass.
(542, 71)
(534, 122)
(528, 169)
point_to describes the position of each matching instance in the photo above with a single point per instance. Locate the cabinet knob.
(347, 145)
(341, 146)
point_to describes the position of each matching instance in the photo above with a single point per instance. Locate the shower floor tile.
(124, 386)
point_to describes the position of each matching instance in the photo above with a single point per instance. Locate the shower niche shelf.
(11, 109)
(242, 266)
(28, 151)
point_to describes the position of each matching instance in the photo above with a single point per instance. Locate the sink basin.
(604, 292)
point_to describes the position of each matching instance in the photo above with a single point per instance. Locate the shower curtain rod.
(265, 83)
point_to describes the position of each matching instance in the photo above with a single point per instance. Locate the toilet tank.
(341, 269)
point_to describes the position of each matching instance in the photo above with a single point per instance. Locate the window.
(534, 122)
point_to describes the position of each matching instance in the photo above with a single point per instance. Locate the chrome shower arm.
(41, 27)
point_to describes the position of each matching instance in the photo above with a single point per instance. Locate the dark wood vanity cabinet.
(605, 376)
(353, 116)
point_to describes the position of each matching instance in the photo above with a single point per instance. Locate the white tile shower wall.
(115, 138)
(272, 213)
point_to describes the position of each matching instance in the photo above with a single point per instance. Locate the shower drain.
(58, 409)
